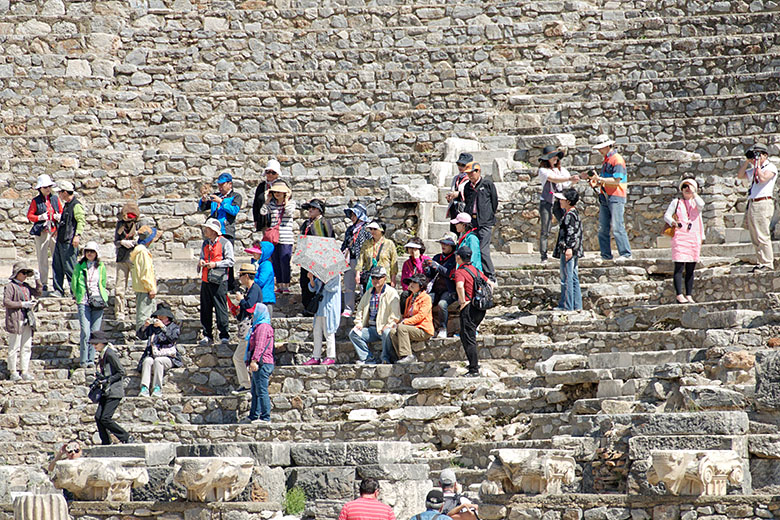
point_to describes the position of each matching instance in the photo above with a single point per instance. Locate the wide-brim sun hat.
(98, 337)
(214, 225)
(147, 235)
(548, 152)
(751, 152)
(91, 246)
(419, 278)
(162, 310)
(692, 182)
(280, 187)
(602, 141)
(19, 267)
(44, 181)
(274, 166)
(314, 204)
(247, 269)
(66, 186)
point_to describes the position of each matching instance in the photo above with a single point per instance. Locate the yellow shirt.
(388, 258)
(144, 279)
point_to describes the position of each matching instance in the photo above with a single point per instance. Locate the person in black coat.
(272, 172)
(482, 204)
(315, 225)
(439, 269)
(111, 375)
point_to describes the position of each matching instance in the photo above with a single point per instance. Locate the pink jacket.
(261, 344)
(411, 267)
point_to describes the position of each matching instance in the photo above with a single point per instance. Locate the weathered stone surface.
(691, 472)
(50, 506)
(323, 482)
(701, 423)
(22, 478)
(394, 471)
(154, 454)
(263, 453)
(712, 398)
(640, 447)
(764, 446)
(454, 146)
(767, 394)
(765, 475)
(66, 143)
(678, 156)
(212, 479)
(560, 362)
(532, 471)
(100, 479)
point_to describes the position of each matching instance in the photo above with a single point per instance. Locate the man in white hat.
(44, 213)
(216, 257)
(271, 174)
(613, 181)
(69, 230)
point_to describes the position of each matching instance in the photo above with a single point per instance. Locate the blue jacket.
(247, 305)
(225, 212)
(265, 273)
(330, 306)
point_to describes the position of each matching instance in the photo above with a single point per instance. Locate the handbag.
(365, 277)
(95, 393)
(95, 301)
(271, 234)
(314, 304)
(217, 275)
(670, 230)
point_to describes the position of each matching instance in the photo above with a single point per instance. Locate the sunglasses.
(71, 451)
(68, 192)
(271, 172)
(686, 187)
(27, 273)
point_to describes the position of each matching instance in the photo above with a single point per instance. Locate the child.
(19, 321)
(326, 319)
(569, 250)
(260, 362)
(261, 258)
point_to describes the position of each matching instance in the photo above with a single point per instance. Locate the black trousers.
(485, 234)
(470, 318)
(678, 277)
(104, 418)
(212, 298)
(306, 294)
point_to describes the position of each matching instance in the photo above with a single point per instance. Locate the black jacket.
(111, 368)
(487, 203)
(261, 221)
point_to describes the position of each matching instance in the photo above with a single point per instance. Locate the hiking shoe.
(442, 333)
(157, 392)
(328, 361)
(472, 374)
(144, 392)
(225, 341)
(346, 314)
(311, 361)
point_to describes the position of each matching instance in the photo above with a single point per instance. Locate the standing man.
(482, 204)
(470, 317)
(762, 176)
(216, 258)
(613, 180)
(272, 172)
(455, 197)
(368, 506)
(224, 205)
(69, 230)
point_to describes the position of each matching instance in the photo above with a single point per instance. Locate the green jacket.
(78, 284)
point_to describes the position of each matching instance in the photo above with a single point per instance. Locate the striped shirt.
(365, 508)
(286, 233)
(615, 167)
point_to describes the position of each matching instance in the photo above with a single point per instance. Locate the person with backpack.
(72, 222)
(110, 375)
(468, 282)
(261, 253)
(44, 213)
(434, 507)
(326, 318)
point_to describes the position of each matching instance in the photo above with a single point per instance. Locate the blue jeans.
(611, 217)
(360, 339)
(446, 299)
(90, 321)
(571, 297)
(261, 402)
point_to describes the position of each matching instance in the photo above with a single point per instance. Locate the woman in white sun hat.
(44, 213)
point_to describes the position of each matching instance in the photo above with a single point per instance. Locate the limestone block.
(663, 242)
(100, 479)
(698, 423)
(502, 166)
(406, 497)
(400, 193)
(532, 142)
(14, 479)
(394, 471)
(521, 248)
(442, 173)
(673, 156)
(712, 398)
(560, 362)
(78, 68)
(323, 482)
(154, 454)
(693, 472)
(213, 479)
(454, 146)
(423, 413)
(767, 394)
(7, 253)
(532, 471)
(41, 507)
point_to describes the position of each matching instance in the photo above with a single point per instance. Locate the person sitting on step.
(415, 264)
(416, 325)
(440, 270)
(377, 311)
(326, 318)
(161, 354)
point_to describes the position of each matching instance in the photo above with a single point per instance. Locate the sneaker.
(622, 259)
(82, 365)
(544, 258)
(130, 440)
(408, 359)
(26, 376)
(144, 392)
(346, 314)
(245, 420)
(442, 333)
(225, 341)
(15, 377)
(472, 374)
(205, 342)
(328, 361)
(360, 362)
(311, 361)
(261, 421)
(240, 391)
(157, 392)
(284, 291)
(91, 364)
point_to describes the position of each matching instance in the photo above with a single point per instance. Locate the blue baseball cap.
(225, 177)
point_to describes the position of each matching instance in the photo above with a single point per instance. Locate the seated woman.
(440, 270)
(416, 325)
(161, 353)
(413, 265)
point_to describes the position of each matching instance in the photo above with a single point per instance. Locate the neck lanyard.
(461, 239)
(356, 230)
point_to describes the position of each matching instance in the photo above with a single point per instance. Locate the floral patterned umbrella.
(321, 256)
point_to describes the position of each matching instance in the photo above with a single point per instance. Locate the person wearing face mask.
(19, 302)
(354, 238)
(761, 175)
(44, 213)
(89, 291)
(315, 225)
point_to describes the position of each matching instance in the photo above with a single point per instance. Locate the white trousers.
(44, 250)
(330, 339)
(159, 365)
(17, 342)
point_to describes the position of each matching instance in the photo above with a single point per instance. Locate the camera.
(750, 154)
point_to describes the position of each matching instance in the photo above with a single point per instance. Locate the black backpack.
(482, 298)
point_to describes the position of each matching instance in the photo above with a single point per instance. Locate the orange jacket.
(423, 312)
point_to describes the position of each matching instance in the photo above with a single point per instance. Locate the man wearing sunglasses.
(761, 176)
(379, 309)
(69, 230)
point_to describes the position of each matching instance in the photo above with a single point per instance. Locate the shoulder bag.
(670, 230)
(364, 276)
(271, 234)
(95, 301)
